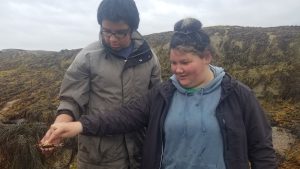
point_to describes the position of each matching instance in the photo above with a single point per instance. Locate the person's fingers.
(45, 141)
(63, 130)
(50, 147)
(46, 136)
(52, 137)
(56, 132)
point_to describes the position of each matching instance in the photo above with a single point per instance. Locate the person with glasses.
(104, 76)
(201, 118)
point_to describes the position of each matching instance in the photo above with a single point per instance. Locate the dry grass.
(18, 148)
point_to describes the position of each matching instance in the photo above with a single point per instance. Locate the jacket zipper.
(122, 86)
(224, 132)
(225, 135)
(164, 114)
(161, 130)
(162, 147)
(161, 156)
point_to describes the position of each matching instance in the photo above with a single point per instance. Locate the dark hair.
(119, 10)
(189, 37)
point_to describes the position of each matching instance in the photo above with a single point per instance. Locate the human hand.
(47, 147)
(64, 130)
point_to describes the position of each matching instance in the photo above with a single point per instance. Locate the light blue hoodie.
(192, 135)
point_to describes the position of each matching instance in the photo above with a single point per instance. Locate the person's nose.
(113, 38)
(178, 69)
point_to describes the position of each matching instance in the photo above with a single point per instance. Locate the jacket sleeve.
(259, 133)
(75, 86)
(156, 72)
(131, 117)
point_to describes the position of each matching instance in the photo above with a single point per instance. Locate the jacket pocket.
(88, 149)
(113, 148)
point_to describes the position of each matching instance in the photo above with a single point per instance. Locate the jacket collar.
(228, 84)
(167, 89)
(141, 51)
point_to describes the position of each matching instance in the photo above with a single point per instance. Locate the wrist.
(63, 118)
(79, 127)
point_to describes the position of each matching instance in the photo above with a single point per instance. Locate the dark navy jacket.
(247, 135)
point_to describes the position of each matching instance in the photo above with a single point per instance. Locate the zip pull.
(224, 124)
(225, 135)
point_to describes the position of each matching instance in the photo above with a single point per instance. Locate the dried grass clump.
(19, 150)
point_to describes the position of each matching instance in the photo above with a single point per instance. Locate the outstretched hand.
(64, 130)
(45, 146)
(56, 133)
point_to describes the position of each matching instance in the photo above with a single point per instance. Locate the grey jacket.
(98, 82)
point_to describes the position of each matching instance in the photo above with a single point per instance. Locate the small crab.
(47, 145)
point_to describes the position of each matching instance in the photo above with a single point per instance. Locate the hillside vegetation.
(266, 59)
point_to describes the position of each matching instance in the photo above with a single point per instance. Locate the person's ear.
(207, 56)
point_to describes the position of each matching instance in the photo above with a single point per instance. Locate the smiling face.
(111, 34)
(189, 68)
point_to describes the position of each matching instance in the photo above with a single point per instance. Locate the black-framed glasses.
(119, 34)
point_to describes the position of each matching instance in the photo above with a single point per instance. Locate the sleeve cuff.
(66, 106)
(68, 112)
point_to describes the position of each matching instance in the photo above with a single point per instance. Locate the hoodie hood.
(208, 88)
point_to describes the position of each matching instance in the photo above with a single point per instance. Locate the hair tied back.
(183, 33)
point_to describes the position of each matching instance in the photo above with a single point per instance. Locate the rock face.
(282, 140)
